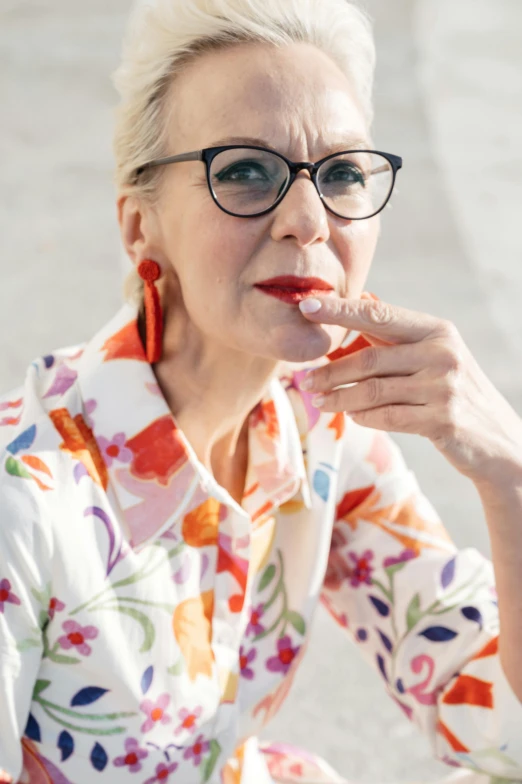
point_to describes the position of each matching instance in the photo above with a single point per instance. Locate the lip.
(292, 289)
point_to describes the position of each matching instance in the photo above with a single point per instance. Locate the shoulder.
(31, 461)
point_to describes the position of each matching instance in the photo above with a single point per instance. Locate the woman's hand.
(418, 376)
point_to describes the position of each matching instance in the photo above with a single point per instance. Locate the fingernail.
(307, 382)
(318, 401)
(309, 305)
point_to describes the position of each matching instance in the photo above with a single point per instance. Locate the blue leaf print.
(146, 679)
(381, 607)
(66, 744)
(438, 634)
(99, 757)
(321, 484)
(87, 696)
(382, 667)
(48, 361)
(472, 614)
(32, 729)
(385, 641)
(400, 686)
(448, 573)
(24, 441)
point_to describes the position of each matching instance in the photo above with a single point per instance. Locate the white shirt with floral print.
(150, 625)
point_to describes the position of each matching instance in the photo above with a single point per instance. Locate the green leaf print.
(15, 468)
(24, 645)
(146, 624)
(177, 669)
(268, 576)
(39, 687)
(210, 762)
(297, 621)
(414, 612)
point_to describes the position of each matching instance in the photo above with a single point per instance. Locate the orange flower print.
(364, 503)
(337, 424)
(266, 413)
(192, 625)
(158, 451)
(125, 344)
(79, 441)
(201, 525)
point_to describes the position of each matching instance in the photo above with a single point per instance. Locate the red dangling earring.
(150, 272)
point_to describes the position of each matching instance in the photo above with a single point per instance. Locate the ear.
(138, 228)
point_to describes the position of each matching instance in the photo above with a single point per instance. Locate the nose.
(301, 215)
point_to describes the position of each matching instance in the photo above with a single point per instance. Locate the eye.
(245, 170)
(344, 172)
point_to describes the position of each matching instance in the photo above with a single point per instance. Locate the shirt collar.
(152, 473)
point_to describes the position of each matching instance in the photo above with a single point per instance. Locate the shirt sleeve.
(423, 613)
(24, 604)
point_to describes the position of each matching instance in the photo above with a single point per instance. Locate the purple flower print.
(254, 627)
(362, 571)
(188, 719)
(285, 656)
(88, 407)
(75, 635)
(162, 772)
(244, 660)
(115, 449)
(155, 711)
(198, 748)
(133, 756)
(6, 595)
(406, 555)
(55, 605)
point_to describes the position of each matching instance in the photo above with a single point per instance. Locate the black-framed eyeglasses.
(249, 181)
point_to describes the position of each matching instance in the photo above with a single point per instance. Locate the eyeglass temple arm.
(186, 156)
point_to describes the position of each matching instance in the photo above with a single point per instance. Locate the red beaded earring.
(150, 272)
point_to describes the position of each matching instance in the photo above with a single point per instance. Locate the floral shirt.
(150, 625)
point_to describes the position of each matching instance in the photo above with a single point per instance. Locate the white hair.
(163, 36)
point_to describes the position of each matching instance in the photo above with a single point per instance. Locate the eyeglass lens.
(354, 185)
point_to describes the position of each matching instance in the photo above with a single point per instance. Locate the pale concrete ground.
(448, 95)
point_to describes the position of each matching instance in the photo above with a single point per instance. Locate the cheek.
(359, 241)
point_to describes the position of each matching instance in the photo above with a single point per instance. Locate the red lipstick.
(291, 289)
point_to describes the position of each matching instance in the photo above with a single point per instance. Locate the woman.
(178, 493)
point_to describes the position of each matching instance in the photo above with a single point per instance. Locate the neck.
(211, 391)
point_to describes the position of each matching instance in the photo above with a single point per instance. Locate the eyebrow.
(347, 143)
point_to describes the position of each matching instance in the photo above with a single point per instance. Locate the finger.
(392, 360)
(376, 392)
(384, 321)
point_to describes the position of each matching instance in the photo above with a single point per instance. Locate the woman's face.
(297, 101)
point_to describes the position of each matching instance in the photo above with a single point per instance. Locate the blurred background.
(448, 99)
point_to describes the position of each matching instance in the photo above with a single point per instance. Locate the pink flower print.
(115, 449)
(75, 635)
(188, 719)
(6, 595)
(362, 571)
(162, 772)
(155, 711)
(55, 605)
(244, 660)
(406, 555)
(197, 749)
(254, 627)
(133, 756)
(285, 656)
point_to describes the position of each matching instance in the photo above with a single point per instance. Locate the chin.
(303, 344)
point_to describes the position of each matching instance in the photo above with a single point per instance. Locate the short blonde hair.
(163, 36)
